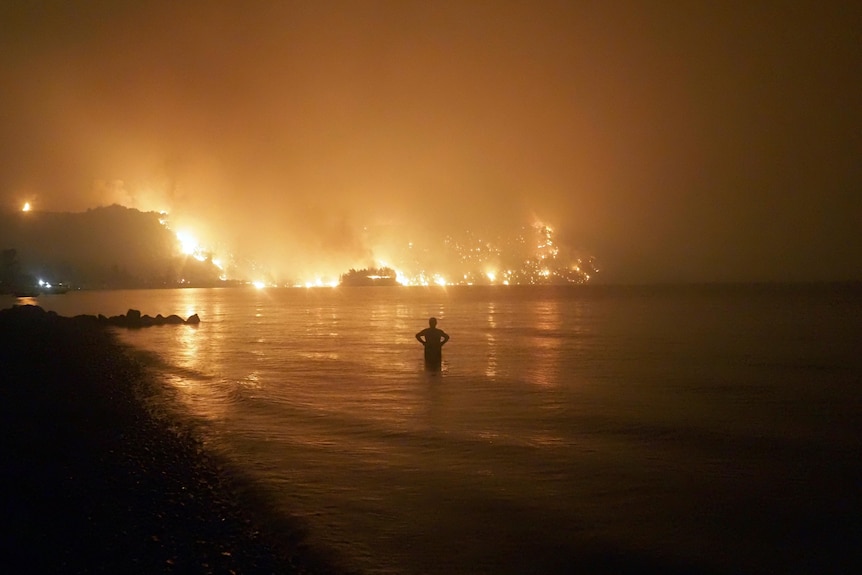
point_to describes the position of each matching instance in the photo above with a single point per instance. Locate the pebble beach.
(94, 482)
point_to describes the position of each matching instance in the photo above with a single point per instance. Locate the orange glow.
(319, 282)
(188, 243)
(469, 258)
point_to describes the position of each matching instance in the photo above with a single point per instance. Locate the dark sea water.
(701, 429)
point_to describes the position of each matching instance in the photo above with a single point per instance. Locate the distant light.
(258, 284)
(26, 207)
(319, 282)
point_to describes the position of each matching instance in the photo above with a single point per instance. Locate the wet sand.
(93, 482)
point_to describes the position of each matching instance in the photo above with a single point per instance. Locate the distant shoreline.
(836, 284)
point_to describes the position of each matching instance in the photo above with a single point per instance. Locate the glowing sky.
(672, 140)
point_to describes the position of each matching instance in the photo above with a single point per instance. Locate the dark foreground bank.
(94, 483)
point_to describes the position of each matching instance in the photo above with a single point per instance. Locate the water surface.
(599, 429)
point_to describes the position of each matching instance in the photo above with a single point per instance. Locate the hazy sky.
(673, 140)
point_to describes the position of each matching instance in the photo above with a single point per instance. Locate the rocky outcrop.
(134, 319)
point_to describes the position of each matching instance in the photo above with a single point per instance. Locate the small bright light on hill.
(26, 207)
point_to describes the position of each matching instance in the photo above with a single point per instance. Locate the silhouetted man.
(433, 341)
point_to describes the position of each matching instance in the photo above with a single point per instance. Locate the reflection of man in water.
(433, 341)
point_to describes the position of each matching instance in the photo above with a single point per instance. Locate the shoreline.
(96, 483)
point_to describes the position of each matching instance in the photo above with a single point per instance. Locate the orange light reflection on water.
(548, 343)
(491, 366)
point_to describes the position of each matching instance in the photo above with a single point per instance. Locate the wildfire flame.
(530, 258)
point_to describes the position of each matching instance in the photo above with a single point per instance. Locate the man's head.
(432, 322)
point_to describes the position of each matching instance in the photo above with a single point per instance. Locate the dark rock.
(132, 319)
(28, 312)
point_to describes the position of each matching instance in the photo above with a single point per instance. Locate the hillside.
(106, 247)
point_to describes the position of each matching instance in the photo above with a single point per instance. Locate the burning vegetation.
(116, 246)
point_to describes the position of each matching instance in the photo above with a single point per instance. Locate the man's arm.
(419, 337)
(445, 338)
